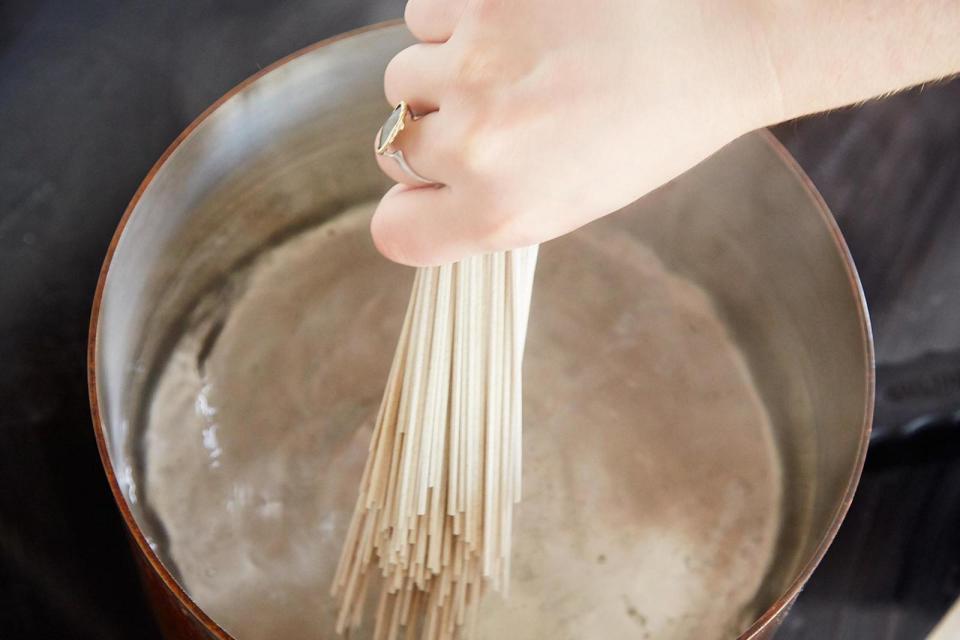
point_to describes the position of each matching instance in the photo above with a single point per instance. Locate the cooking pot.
(291, 147)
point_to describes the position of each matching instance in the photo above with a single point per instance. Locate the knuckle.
(419, 17)
(476, 68)
(411, 13)
(391, 78)
(482, 149)
(485, 10)
(474, 131)
(397, 70)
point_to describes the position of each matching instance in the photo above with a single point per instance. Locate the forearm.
(825, 54)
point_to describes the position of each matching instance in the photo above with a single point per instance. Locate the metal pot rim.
(771, 615)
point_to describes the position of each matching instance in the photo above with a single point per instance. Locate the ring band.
(397, 155)
(394, 124)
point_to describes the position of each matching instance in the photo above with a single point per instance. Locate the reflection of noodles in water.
(651, 487)
(431, 528)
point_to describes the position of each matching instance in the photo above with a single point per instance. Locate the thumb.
(423, 226)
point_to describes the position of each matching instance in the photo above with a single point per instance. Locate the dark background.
(92, 92)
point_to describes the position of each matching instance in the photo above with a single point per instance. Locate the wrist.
(821, 55)
(762, 86)
(750, 78)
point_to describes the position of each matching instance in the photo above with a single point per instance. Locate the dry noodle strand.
(431, 526)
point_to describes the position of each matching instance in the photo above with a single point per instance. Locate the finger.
(433, 20)
(416, 75)
(425, 150)
(422, 227)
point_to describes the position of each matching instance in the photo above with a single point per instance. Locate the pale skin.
(539, 116)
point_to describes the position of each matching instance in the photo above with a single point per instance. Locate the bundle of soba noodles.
(431, 527)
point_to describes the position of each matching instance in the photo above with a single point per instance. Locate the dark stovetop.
(92, 92)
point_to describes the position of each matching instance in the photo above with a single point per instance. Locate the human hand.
(540, 116)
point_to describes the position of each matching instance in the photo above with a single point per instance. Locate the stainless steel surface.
(293, 148)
